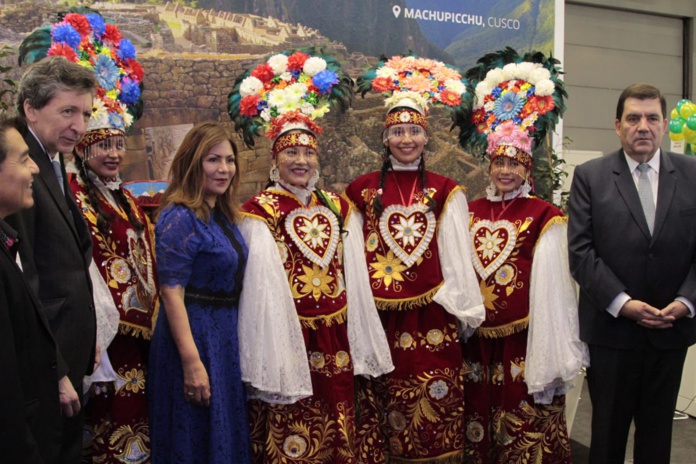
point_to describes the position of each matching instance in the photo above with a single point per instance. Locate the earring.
(313, 180)
(274, 174)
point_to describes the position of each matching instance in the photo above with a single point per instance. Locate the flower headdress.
(289, 90)
(86, 39)
(412, 85)
(518, 99)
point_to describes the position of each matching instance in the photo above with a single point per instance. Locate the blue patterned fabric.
(199, 257)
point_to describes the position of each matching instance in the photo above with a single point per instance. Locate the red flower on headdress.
(134, 70)
(296, 61)
(450, 98)
(542, 105)
(479, 116)
(249, 105)
(263, 72)
(79, 22)
(112, 34)
(278, 123)
(383, 84)
(61, 49)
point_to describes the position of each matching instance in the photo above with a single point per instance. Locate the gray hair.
(45, 78)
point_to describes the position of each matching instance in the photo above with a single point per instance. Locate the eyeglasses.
(400, 131)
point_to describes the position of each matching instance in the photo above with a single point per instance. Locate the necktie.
(59, 174)
(646, 195)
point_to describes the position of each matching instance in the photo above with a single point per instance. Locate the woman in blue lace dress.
(197, 406)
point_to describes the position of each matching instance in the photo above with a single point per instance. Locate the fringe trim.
(406, 303)
(456, 457)
(339, 317)
(556, 220)
(503, 330)
(134, 331)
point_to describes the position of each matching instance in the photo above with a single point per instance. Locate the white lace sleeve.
(368, 343)
(555, 353)
(272, 350)
(459, 294)
(107, 325)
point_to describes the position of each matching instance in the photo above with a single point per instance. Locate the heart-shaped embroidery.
(407, 230)
(493, 242)
(315, 232)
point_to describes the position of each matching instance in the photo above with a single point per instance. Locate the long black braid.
(377, 205)
(103, 217)
(326, 201)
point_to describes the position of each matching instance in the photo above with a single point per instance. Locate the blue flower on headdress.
(324, 80)
(106, 71)
(507, 106)
(496, 92)
(130, 91)
(116, 121)
(97, 24)
(65, 33)
(126, 49)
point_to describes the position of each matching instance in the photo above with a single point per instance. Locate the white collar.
(302, 193)
(398, 166)
(522, 192)
(51, 157)
(653, 163)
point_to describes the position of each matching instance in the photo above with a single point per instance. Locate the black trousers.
(640, 385)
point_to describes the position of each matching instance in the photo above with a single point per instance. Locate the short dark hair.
(641, 91)
(5, 124)
(43, 79)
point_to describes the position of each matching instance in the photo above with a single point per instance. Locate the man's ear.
(29, 111)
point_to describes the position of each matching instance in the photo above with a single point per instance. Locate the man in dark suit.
(632, 248)
(54, 98)
(29, 409)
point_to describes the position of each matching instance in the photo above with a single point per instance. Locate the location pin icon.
(397, 10)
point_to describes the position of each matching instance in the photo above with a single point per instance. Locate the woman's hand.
(196, 383)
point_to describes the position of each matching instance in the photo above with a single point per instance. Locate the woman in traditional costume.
(198, 410)
(524, 357)
(308, 322)
(123, 268)
(418, 255)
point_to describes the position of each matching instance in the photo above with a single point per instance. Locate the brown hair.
(43, 79)
(641, 91)
(187, 174)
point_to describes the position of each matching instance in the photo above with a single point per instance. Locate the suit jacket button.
(54, 364)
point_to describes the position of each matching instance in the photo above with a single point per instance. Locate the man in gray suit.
(55, 101)
(632, 248)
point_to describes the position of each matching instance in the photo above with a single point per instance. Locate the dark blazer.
(56, 250)
(611, 249)
(29, 409)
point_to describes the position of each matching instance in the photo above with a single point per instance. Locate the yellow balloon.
(687, 110)
(689, 134)
(676, 137)
(674, 114)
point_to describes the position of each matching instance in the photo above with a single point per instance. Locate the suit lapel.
(665, 192)
(629, 193)
(47, 176)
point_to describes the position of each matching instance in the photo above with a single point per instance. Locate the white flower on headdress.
(525, 68)
(489, 106)
(287, 106)
(386, 71)
(307, 108)
(314, 65)
(538, 75)
(544, 88)
(510, 72)
(528, 121)
(483, 88)
(250, 85)
(455, 86)
(98, 109)
(277, 97)
(494, 77)
(266, 114)
(296, 91)
(278, 63)
(286, 76)
(127, 118)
